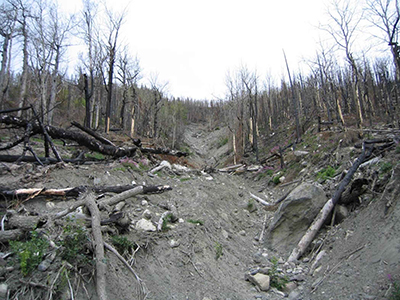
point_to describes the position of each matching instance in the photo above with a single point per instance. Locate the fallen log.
(98, 245)
(66, 192)
(93, 134)
(81, 139)
(114, 200)
(324, 212)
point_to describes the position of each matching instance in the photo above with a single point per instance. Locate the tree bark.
(93, 134)
(101, 267)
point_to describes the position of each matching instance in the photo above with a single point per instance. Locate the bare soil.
(209, 260)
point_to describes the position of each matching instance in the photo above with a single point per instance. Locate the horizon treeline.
(106, 91)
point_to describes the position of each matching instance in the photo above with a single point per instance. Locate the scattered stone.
(3, 290)
(341, 213)
(298, 270)
(45, 264)
(265, 270)
(306, 260)
(260, 280)
(147, 214)
(282, 179)
(289, 287)
(145, 225)
(317, 261)
(97, 181)
(50, 205)
(278, 292)
(225, 234)
(294, 295)
(174, 243)
(299, 153)
(145, 202)
(298, 277)
(242, 233)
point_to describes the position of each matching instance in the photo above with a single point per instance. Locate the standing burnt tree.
(109, 48)
(345, 21)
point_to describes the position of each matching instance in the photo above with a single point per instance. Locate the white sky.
(193, 44)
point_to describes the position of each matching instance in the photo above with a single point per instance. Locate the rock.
(119, 206)
(282, 179)
(145, 202)
(294, 216)
(289, 287)
(145, 225)
(3, 290)
(260, 280)
(298, 277)
(225, 234)
(242, 233)
(299, 153)
(147, 214)
(174, 243)
(341, 213)
(45, 264)
(294, 295)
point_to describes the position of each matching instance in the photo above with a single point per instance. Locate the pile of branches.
(91, 140)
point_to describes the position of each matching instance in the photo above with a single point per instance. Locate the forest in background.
(343, 87)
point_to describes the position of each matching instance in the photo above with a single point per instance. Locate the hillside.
(217, 232)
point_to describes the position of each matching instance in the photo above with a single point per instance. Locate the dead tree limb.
(134, 192)
(47, 137)
(101, 266)
(7, 111)
(66, 192)
(93, 134)
(81, 139)
(324, 212)
(142, 292)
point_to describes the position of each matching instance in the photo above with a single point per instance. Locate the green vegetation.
(324, 174)
(30, 253)
(395, 295)
(251, 205)
(185, 179)
(197, 222)
(398, 149)
(222, 142)
(386, 167)
(122, 244)
(95, 155)
(123, 169)
(277, 280)
(75, 244)
(166, 220)
(218, 250)
(276, 179)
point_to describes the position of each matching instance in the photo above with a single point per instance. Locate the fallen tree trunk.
(81, 139)
(101, 267)
(66, 192)
(324, 212)
(84, 140)
(93, 134)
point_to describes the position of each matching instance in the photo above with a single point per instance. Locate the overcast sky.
(193, 44)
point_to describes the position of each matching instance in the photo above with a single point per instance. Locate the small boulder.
(262, 281)
(294, 216)
(145, 225)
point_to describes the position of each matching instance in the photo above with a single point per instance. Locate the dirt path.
(209, 147)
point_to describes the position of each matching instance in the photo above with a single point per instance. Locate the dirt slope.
(208, 260)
